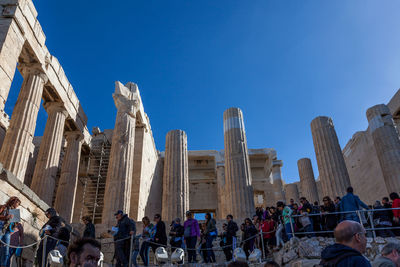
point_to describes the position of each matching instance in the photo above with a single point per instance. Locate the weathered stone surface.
(291, 192)
(307, 180)
(277, 183)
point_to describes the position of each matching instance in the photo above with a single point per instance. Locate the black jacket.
(125, 226)
(89, 231)
(344, 256)
(231, 229)
(161, 236)
(55, 223)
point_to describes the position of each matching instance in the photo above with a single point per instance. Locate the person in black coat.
(176, 234)
(90, 230)
(126, 228)
(231, 230)
(329, 220)
(160, 238)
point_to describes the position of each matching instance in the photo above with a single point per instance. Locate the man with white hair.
(390, 256)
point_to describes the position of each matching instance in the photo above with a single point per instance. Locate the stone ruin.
(95, 174)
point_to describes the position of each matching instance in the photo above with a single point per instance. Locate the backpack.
(333, 262)
(188, 230)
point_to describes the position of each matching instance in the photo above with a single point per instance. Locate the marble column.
(175, 198)
(66, 190)
(387, 144)
(240, 197)
(307, 181)
(292, 191)
(220, 170)
(277, 183)
(331, 166)
(120, 167)
(44, 176)
(14, 153)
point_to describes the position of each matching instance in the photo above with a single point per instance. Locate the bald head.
(345, 231)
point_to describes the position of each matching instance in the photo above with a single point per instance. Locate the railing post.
(291, 226)
(371, 221)
(262, 243)
(359, 216)
(44, 261)
(130, 250)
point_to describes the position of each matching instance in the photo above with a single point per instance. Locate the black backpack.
(333, 262)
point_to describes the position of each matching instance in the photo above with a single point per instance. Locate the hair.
(87, 218)
(327, 198)
(292, 199)
(248, 220)
(209, 216)
(158, 216)
(77, 246)
(280, 204)
(394, 196)
(10, 202)
(238, 264)
(345, 234)
(51, 211)
(316, 203)
(389, 247)
(64, 235)
(303, 198)
(350, 189)
(229, 216)
(145, 218)
(338, 198)
(271, 264)
(386, 199)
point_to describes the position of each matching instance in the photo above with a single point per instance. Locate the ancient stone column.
(220, 170)
(279, 194)
(14, 153)
(44, 176)
(331, 166)
(292, 192)
(307, 181)
(120, 166)
(240, 197)
(66, 190)
(175, 198)
(387, 144)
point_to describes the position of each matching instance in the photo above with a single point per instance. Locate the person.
(176, 234)
(305, 204)
(203, 247)
(126, 227)
(160, 238)
(223, 243)
(147, 234)
(84, 252)
(387, 205)
(305, 222)
(390, 256)
(351, 243)
(210, 234)
(395, 206)
(231, 230)
(135, 250)
(291, 201)
(191, 235)
(5, 230)
(63, 241)
(329, 221)
(16, 240)
(351, 202)
(382, 219)
(268, 228)
(287, 219)
(51, 229)
(90, 230)
(250, 233)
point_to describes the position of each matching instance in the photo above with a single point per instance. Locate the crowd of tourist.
(267, 230)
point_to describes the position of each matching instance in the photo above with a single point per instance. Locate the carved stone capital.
(73, 136)
(55, 107)
(277, 163)
(27, 69)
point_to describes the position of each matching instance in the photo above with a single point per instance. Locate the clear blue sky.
(282, 62)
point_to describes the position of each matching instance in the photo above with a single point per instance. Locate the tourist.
(5, 231)
(305, 204)
(223, 243)
(231, 230)
(160, 238)
(211, 233)
(126, 227)
(387, 205)
(287, 219)
(250, 234)
(291, 201)
(203, 246)
(351, 242)
(16, 240)
(259, 212)
(135, 250)
(317, 218)
(63, 237)
(147, 234)
(268, 234)
(84, 252)
(89, 227)
(351, 202)
(176, 234)
(390, 256)
(191, 234)
(382, 219)
(50, 228)
(396, 207)
(328, 220)
(305, 222)
(274, 214)
(337, 203)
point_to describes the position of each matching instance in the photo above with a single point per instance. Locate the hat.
(118, 212)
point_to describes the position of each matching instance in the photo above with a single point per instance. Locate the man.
(351, 243)
(390, 256)
(84, 252)
(90, 230)
(305, 204)
(291, 203)
(161, 236)
(126, 228)
(288, 221)
(351, 202)
(231, 230)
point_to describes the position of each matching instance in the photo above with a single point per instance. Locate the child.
(305, 222)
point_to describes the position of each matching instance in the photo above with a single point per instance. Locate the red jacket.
(268, 228)
(396, 204)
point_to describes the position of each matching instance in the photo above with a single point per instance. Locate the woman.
(329, 220)
(210, 234)
(191, 234)
(382, 220)
(5, 231)
(90, 230)
(147, 234)
(250, 233)
(176, 234)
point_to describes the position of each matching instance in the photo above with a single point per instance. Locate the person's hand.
(10, 216)
(131, 232)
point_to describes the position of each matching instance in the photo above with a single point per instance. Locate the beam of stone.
(331, 166)
(14, 153)
(240, 200)
(66, 190)
(44, 176)
(387, 144)
(292, 191)
(307, 181)
(120, 167)
(175, 198)
(277, 183)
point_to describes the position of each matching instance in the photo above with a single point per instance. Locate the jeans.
(134, 257)
(191, 248)
(209, 245)
(288, 229)
(5, 250)
(120, 254)
(144, 253)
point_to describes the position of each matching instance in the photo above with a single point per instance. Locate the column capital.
(73, 135)
(277, 163)
(34, 69)
(55, 107)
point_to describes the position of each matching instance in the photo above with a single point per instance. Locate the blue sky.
(282, 62)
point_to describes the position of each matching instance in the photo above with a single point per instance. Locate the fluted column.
(387, 144)
(279, 194)
(120, 167)
(66, 190)
(14, 153)
(331, 166)
(44, 176)
(220, 170)
(292, 191)
(175, 198)
(240, 200)
(307, 181)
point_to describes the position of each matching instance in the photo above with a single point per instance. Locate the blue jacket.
(351, 202)
(343, 256)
